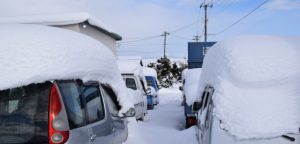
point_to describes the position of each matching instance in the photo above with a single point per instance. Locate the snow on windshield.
(192, 78)
(34, 54)
(256, 81)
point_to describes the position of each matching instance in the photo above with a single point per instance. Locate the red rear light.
(58, 134)
(192, 121)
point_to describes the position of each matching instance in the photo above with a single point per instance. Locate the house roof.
(63, 19)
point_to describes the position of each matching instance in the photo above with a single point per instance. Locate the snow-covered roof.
(130, 67)
(62, 19)
(149, 72)
(135, 59)
(192, 78)
(34, 54)
(256, 81)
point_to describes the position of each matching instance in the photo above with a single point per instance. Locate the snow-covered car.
(250, 92)
(190, 92)
(152, 82)
(152, 98)
(59, 86)
(132, 74)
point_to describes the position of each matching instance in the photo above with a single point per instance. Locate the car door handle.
(93, 137)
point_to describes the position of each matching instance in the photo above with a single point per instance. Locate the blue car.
(152, 99)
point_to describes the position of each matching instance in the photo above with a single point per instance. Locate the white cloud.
(283, 5)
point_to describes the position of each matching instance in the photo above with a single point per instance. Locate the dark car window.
(112, 100)
(73, 103)
(24, 114)
(94, 103)
(130, 83)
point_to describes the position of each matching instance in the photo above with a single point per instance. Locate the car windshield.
(149, 82)
(24, 114)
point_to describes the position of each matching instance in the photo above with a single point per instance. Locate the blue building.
(196, 53)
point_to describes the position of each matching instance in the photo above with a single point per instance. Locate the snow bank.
(150, 72)
(58, 19)
(34, 54)
(192, 78)
(256, 81)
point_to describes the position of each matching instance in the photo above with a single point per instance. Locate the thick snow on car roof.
(256, 81)
(192, 78)
(149, 72)
(130, 67)
(34, 54)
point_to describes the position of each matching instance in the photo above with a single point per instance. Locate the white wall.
(94, 33)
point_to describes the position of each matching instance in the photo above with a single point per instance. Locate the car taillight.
(192, 121)
(58, 129)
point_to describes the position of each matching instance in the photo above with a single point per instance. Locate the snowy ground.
(163, 125)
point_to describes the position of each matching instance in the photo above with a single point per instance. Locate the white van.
(132, 73)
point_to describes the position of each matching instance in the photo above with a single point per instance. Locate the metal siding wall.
(195, 53)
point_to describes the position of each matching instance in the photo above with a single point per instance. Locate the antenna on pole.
(196, 38)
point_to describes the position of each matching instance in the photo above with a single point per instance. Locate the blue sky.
(150, 18)
(147, 19)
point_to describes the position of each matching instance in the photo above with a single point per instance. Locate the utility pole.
(197, 38)
(165, 42)
(205, 6)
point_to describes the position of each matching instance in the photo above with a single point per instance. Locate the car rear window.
(24, 114)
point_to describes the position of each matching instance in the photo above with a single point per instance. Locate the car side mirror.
(129, 113)
(159, 87)
(148, 91)
(181, 88)
(197, 106)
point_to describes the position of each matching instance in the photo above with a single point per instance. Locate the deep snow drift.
(256, 81)
(34, 54)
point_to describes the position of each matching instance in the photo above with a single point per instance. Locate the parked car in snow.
(51, 93)
(190, 92)
(152, 82)
(135, 80)
(250, 92)
(151, 98)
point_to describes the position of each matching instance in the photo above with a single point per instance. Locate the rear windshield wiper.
(289, 138)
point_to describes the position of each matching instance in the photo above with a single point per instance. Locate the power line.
(180, 37)
(141, 39)
(186, 26)
(245, 16)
